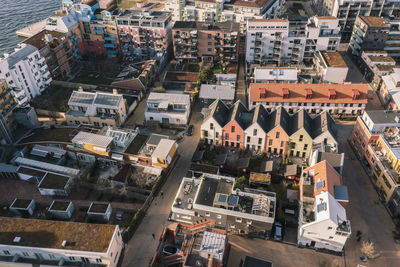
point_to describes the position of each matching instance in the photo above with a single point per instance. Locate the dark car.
(190, 130)
(278, 231)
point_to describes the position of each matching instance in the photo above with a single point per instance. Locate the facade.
(96, 108)
(144, 35)
(223, 10)
(55, 243)
(389, 90)
(369, 33)
(7, 120)
(283, 41)
(275, 132)
(348, 10)
(213, 199)
(56, 48)
(25, 73)
(331, 67)
(168, 108)
(333, 98)
(392, 46)
(375, 140)
(209, 42)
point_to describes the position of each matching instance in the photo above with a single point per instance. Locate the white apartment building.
(168, 108)
(348, 10)
(96, 108)
(25, 73)
(58, 243)
(331, 66)
(223, 10)
(323, 223)
(278, 41)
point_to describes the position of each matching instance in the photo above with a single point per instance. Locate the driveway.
(364, 214)
(141, 248)
(281, 255)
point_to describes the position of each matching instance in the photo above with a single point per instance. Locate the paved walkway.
(241, 83)
(141, 248)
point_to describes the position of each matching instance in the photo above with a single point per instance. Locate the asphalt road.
(364, 213)
(141, 248)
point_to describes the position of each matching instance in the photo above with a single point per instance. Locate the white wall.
(254, 138)
(335, 75)
(206, 126)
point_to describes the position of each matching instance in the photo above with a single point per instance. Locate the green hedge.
(133, 225)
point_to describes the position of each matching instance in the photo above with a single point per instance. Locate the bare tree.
(368, 249)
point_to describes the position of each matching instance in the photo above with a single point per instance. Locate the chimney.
(332, 94)
(115, 92)
(80, 89)
(285, 92)
(356, 94)
(17, 239)
(64, 243)
(263, 92)
(308, 93)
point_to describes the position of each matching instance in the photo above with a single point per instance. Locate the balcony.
(110, 38)
(110, 45)
(99, 31)
(343, 228)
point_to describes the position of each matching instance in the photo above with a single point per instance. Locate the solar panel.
(222, 198)
(233, 200)
(109, 100)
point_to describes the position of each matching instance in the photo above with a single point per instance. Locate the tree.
(368, 249)
(207, 76)
(241, 181)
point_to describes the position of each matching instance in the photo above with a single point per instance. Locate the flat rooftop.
(54, 181)
(334, 59)
(39, 40)
(51, 234)
(210, 187)
(255, 262)
(384, 116)
(136, 144)
(63, 134)
(374, 21)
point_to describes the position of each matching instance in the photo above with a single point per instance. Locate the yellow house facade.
(93, 143)
(164, 153)
(300, 143)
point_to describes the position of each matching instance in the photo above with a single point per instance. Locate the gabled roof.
(325, 177)
(321, 123)
(279, 116)
(260, 116)
(300, 120)
(240, 114)
(218, 111)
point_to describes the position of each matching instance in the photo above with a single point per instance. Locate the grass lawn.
(217, 71)
(255, 164)
(126, 4)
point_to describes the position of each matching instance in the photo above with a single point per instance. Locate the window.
(329, 228)
(209, 36)
(331, 237)
(239, 220)
(282, 143)
(207, 214)
(211, 126)
(99, 260)
(248, 138)
(249, 222)
(270, 142)
(277, 134)
(305, 146)
(209, 49)
(301, 138)
(6, 252)
(116, 256)
(51, 256)
(238, 138)
(96, 124)
(226, 136)
(219, 216)
(216, 135)
(255, 132)
(209, 43)
(233, 129)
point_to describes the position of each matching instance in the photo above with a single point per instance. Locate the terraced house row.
(275, 132)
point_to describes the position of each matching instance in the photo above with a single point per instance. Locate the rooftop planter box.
(99, 211)
(23, 207)
(61, 209)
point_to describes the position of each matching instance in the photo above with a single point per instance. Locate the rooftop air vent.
(17, 239)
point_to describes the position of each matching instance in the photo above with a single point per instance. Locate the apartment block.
(213, 199)
(369, 33)
(375, 140)
(285, 41)
(223, 10)
(332, 98)
(275, 132)
(208, 42)
(96, 108)
(375, 65)
(168, 108)
(57, 50)
(144, 35)
(331, 66)
(7, 120)
(25, 72)
(348, 10)
(54, 243)
(389, 90)
(392, 45)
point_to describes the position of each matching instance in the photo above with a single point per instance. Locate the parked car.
(190, 130)
(170, 250)
(278, 231)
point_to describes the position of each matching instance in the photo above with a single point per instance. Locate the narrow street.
(241, 82)
(141, 248)
(365, 212)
